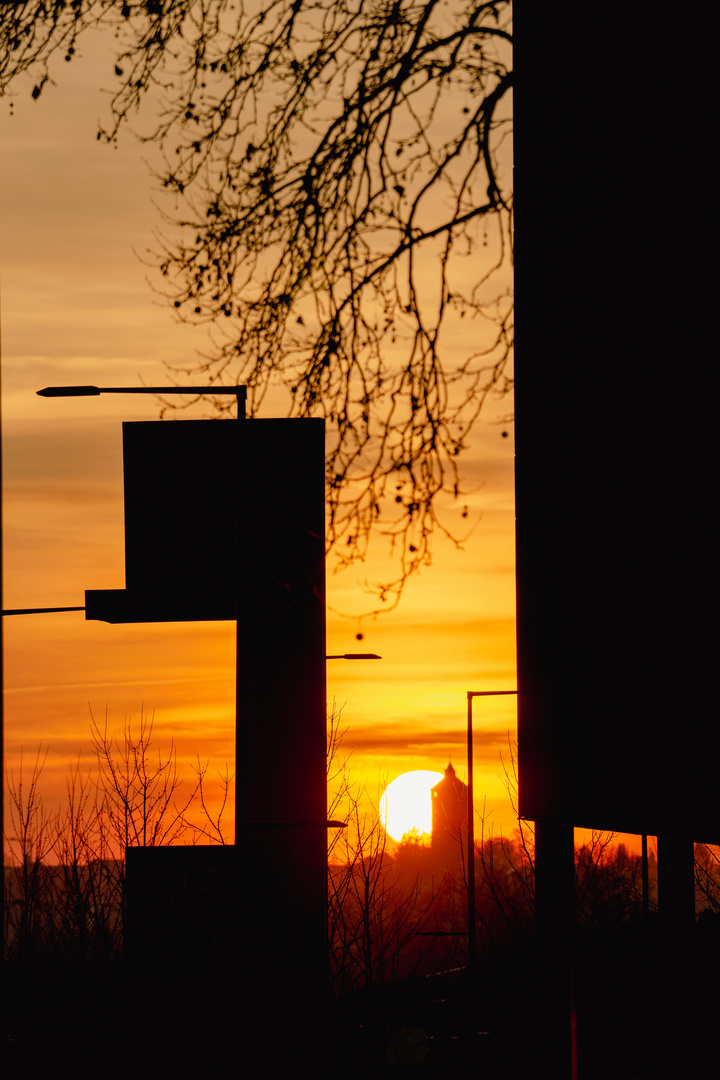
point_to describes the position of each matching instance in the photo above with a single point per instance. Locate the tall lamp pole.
(471, 818)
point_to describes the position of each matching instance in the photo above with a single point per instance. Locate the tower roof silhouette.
(449, 780)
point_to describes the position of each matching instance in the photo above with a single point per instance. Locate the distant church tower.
(449, 818)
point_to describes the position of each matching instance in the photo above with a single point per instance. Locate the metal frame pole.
(471, 819)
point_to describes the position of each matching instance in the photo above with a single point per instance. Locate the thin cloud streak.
(403, 742)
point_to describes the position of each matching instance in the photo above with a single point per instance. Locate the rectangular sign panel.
(180, 523)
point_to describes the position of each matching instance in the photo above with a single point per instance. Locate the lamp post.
(471, 818)
(39, 610)
(239, 392)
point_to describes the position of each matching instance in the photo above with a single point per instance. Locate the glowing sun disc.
(406, 805)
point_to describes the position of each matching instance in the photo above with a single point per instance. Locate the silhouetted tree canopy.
(340, 201)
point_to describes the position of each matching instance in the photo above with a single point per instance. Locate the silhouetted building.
(449, 818)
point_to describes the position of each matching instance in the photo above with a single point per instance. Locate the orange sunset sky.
(76, 218)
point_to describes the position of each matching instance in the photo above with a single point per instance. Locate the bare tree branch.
(339, 201)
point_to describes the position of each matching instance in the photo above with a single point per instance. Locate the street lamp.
(240, 392)
(471, 818)
(38, 610)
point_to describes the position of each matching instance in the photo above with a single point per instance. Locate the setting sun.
(405, 806)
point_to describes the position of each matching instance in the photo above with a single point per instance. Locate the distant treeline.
(392, 919)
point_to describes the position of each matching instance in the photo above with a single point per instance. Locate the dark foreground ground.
(642, 1011)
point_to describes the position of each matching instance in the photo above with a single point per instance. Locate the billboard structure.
(226, 520)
